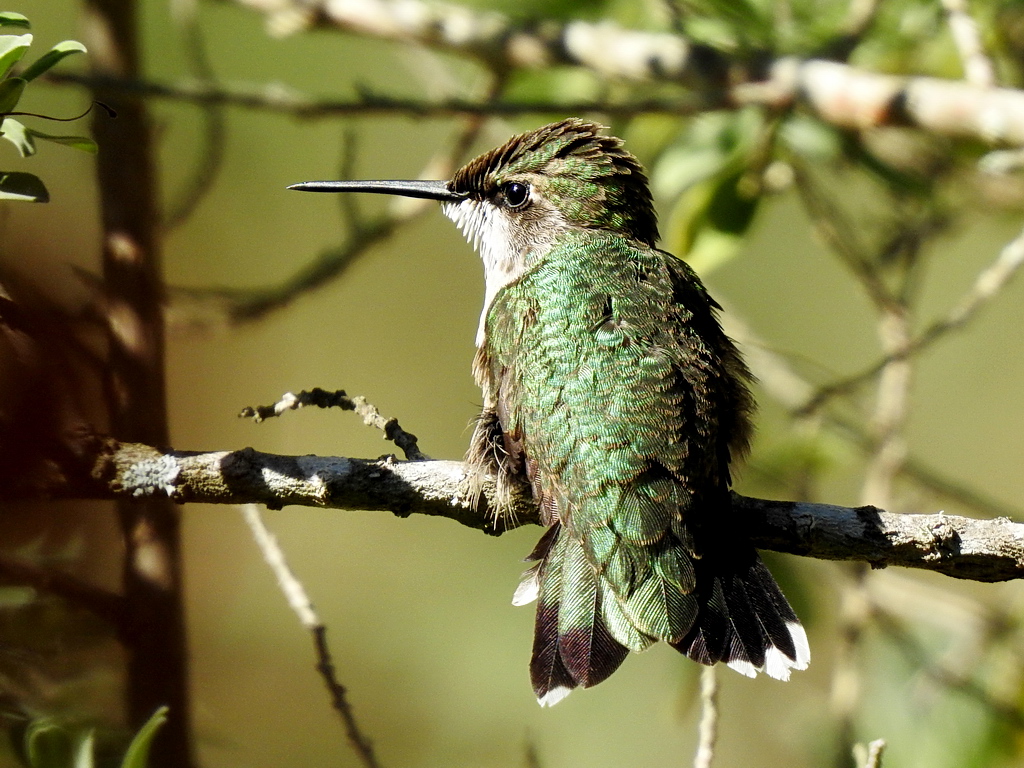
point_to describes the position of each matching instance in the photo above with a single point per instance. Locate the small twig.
(838, 94)
(284, 100)
(349, 204)
(201, 307)
(987, 286)
(869, 756)
(795, 393)
(840, 234)
(891, 408)
(195, 306)
(300, 603)
(102, 603)
(708, 728)
(532, 755)
(846, 688)
(978, 68)
(321, 398)
(214, 134)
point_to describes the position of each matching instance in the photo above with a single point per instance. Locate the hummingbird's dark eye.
(516, 194)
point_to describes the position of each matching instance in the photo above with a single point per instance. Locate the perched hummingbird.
(610, 387)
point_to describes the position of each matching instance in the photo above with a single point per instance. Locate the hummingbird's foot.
(495, 477)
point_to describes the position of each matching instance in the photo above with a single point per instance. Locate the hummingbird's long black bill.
(427, 190)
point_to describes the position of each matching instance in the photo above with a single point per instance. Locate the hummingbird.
(611, 389)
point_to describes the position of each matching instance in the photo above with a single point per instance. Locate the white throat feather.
(488, 230)
(508, 243)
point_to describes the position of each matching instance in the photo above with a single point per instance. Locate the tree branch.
(965, 548)
(299, 602)
(838, 94)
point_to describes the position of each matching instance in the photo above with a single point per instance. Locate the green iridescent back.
(607, 359)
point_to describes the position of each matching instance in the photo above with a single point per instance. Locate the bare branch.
(198, 306)
(201, 307)
(339, 399)
(300, 603)
(962, 547)
(838, 94)
(708, 728)
(978, 68)
(846, 687)
(980, 550)
(989, 282)
(794, 393)
(891, 407)
(835, 228)
(920, 658)
(214, 138)
(283, 100)
(854, 98)
(495, 39)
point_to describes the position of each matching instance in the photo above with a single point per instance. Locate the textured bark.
(965, 548)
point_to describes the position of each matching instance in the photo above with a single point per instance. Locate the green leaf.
(10, 94)
(811, 139)
(47, 745)
(15, 185)
(12, 48)
(138, 751)
(52, 57)
(83, 143)
(729, 22)
(12, 19)
(19, 136)
(713, 171)
(714, 219)
(710, 145)
(731, 207)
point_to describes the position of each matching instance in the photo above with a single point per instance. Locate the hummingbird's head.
(565, 174)
(514, 201)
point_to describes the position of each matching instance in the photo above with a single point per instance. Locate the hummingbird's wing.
(615, 387)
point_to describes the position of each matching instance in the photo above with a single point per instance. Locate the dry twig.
(321, 398)
(300, 603)
(978, 68)
(708, 728)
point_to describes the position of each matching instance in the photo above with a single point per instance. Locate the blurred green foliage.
(16, 185)
(424, 638)
(48, 744)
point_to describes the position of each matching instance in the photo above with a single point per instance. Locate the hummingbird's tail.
(735, 614)
(572, 646)
(744, 619)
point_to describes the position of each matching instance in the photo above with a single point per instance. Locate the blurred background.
(420, 623)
